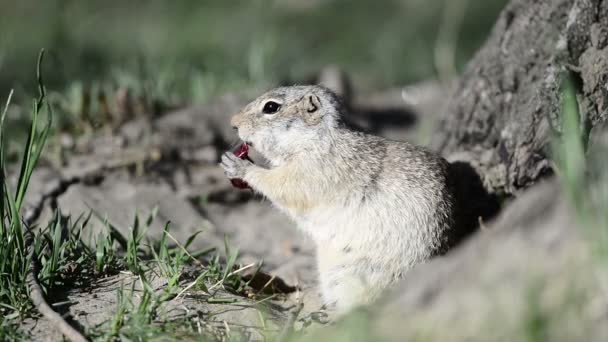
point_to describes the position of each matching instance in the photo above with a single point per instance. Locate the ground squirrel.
(374, 207)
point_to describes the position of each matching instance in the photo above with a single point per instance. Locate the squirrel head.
(289, 120)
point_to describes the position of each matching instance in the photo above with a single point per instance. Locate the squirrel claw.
(233, 166)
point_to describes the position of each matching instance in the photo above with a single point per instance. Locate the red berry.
(242, 152)
(239, 183)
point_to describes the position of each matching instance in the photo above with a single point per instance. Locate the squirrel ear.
(311, 105)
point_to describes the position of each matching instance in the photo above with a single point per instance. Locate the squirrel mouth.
(246, 150)
(242, 151)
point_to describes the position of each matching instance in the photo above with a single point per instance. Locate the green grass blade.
(26, 161)
(191, 239)
(570, 147)
(41, 139)
(115, 234)
(2, 166)
(231, 261)
(35, 141)
(135, 229)
(152, 216)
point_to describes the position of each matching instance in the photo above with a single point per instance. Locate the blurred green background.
(190, 49)
(186, 51)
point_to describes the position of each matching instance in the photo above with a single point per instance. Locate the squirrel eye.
(271, 107)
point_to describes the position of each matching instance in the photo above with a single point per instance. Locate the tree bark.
(502, 113)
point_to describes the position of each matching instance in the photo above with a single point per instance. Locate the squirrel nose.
(234, 121)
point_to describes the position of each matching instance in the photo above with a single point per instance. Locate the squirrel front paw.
(234, 167)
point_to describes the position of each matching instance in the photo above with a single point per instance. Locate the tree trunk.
(505, 107)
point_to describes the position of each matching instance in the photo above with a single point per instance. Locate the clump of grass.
(170, 261)
(141, 257)
(9, 331)
(130, 321)
(221, 275)
(14, 256)
(143, 320)
(67, 259)
(33, 260)
(106, 256)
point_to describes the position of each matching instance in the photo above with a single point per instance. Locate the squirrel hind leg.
(342, 290)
